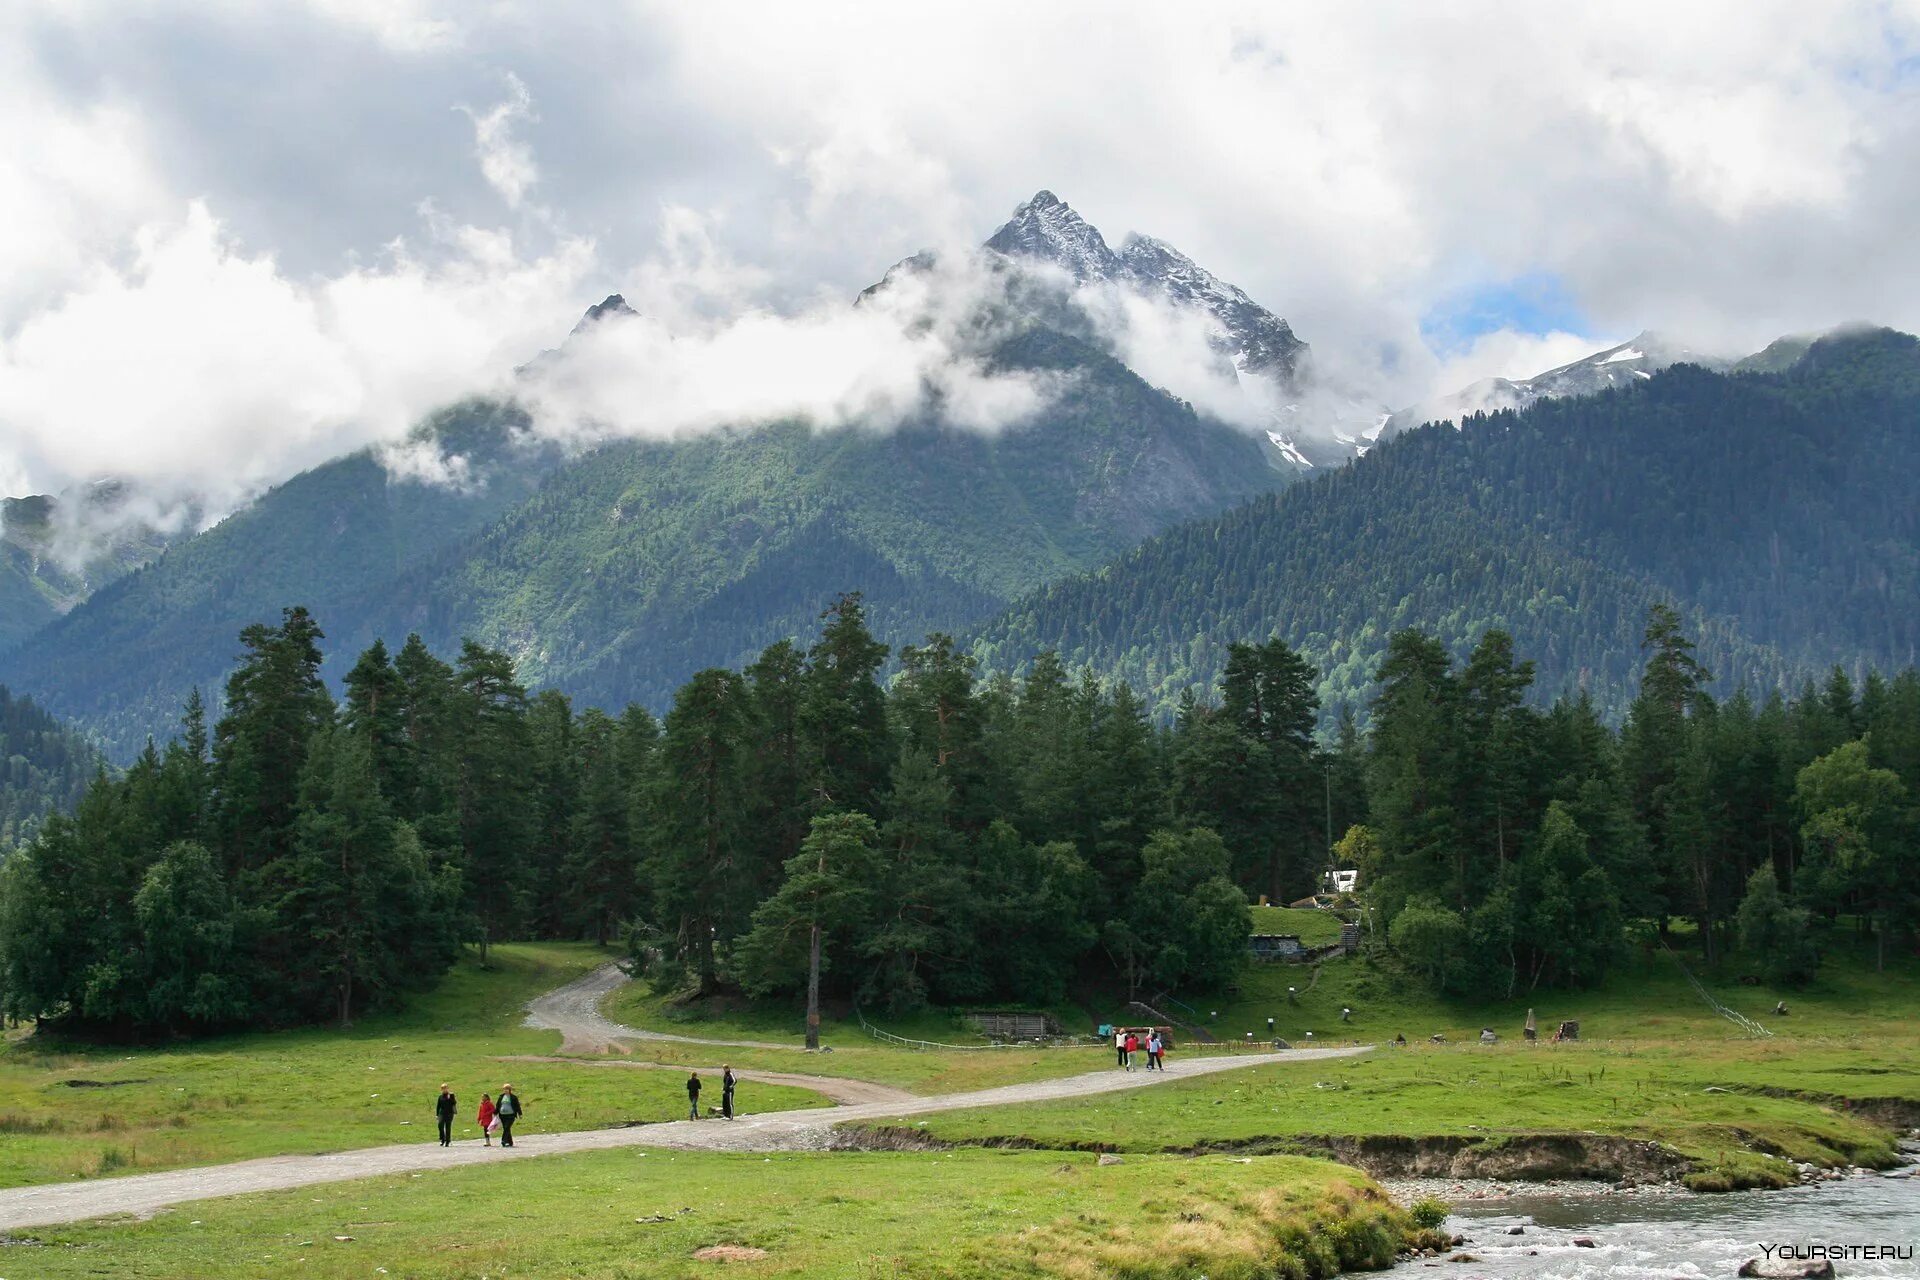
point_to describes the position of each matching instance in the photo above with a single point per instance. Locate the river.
(1667, 1236)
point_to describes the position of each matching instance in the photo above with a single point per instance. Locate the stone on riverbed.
(1757, 1269)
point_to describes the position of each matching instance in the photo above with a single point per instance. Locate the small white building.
(1342, 881)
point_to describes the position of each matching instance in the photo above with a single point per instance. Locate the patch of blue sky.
(1533, 303)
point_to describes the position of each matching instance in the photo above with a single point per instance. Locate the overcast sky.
(236, 239)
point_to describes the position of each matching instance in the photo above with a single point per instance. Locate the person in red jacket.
(486, 1118)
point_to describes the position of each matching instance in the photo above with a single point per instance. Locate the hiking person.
(726, 1093)
(506, 1111)
(487, 1119)
(693, 1095)
(1133, 1047)
(1120, 1045)
(443, 1109)
(1156, 1052)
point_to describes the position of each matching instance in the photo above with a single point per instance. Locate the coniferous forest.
(1775, 510)
(44, 768)
(952, 839)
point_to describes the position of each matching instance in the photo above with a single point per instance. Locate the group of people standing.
(726, 1094)
(498, 1115)
(1127, 1043)
(494, 1116)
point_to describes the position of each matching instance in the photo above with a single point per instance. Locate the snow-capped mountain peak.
(1046, 227)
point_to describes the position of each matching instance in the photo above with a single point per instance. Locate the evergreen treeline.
(44, 768)
(1776, 508)
(943, 837)
(1508, 846)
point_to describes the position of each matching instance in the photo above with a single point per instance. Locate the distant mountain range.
(617, 572)
(1119, 525)
(1775, 508)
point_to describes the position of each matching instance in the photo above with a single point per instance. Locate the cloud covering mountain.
(417, 196)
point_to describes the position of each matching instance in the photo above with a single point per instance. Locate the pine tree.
(495, 821)
(828, 890)
(700, 899)
(276, 703)
(357, 890)
(843, 713)
(603, 862)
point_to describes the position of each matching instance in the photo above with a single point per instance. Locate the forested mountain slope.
(122, 663)
(639, 564)
(1776, 508)
(622, 571)
(44, 766)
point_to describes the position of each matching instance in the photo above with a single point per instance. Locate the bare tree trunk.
(813, 988)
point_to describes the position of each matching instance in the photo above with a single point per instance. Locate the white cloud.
(505, 160)
(913, 349)
(404, 25)
(200, 369)
(1509, 354)
(1725, 170)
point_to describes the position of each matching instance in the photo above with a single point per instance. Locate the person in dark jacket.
(443, 1108)
(507, 1110)
(693, 1095)
(726, 1093)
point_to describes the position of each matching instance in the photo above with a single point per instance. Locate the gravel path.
(843, 1091)
(573, 1012)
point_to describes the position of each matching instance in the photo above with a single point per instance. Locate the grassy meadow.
(70, 1111)
(1653, 1062)
(1213, 1178)
(973, 1062)
(631, 1214)
(1313, 928)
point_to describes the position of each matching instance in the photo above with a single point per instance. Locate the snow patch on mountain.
(1619, 365)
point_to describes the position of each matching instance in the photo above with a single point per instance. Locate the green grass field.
(1649, 1053)
(1660, 1094)
(960, 1215)
(973, 1063)
(1313, 928)
(1211, 1182)
(68, 1112)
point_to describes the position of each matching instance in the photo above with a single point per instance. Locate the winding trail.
(572, 1010)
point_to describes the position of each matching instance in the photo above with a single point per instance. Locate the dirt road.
(575, 1011)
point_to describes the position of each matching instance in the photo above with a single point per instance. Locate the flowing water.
(1668, 1237)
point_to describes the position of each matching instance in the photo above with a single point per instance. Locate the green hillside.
(122, 663)
(36, 585)
(44, 768)
(1775, 508)
(623, 571)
